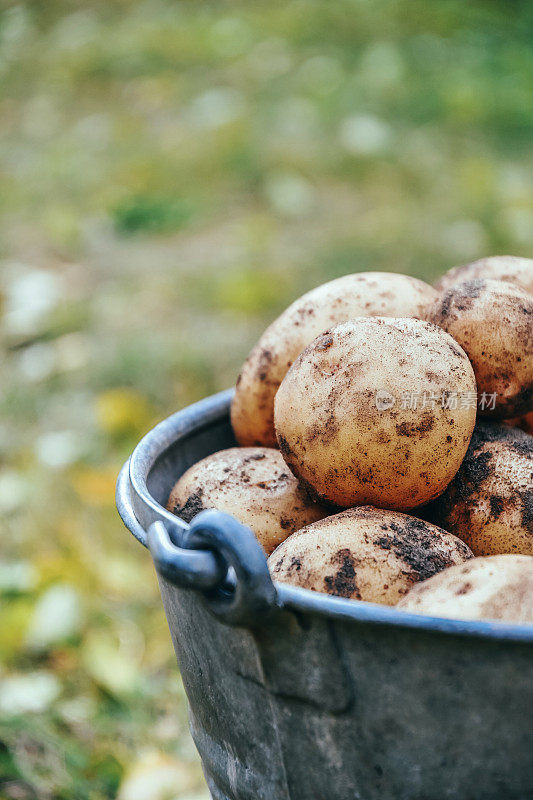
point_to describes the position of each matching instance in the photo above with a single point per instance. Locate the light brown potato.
(489, 503)
(496, 587)
(254, 485)
(493, 323)
(518, 271)
(365, 294)
(338, 432)
(365, 553)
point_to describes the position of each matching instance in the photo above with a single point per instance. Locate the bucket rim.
(132, 484)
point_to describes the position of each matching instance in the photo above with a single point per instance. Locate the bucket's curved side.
(230, 714)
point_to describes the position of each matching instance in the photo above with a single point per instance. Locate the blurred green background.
(172, 175)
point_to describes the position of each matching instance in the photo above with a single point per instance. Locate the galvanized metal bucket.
(295, 695)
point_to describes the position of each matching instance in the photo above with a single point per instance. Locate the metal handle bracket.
(221, 558)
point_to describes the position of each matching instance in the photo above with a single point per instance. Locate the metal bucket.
(295, 695)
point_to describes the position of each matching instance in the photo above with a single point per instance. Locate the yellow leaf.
(95, 487)
(122, 410)
(156, 776)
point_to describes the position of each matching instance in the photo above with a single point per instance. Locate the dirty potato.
(495, 587)
(518, 271)
(493, 323)
(253, 484)
(489, 503)
(525, 423)
(365, 553)
(363, 415)
(362, 295)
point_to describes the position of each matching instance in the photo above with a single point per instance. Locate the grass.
(173, 175)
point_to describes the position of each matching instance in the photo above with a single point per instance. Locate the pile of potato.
(385, 442)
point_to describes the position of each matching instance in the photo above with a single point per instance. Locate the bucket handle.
(221, 558)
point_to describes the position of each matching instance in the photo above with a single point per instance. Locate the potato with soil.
(525, 423)
(365, 553)
(362, 295)
(363, 415)
(253, 484)
(518, 271)
(495, 587)
(493, 323)
(489, 503)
